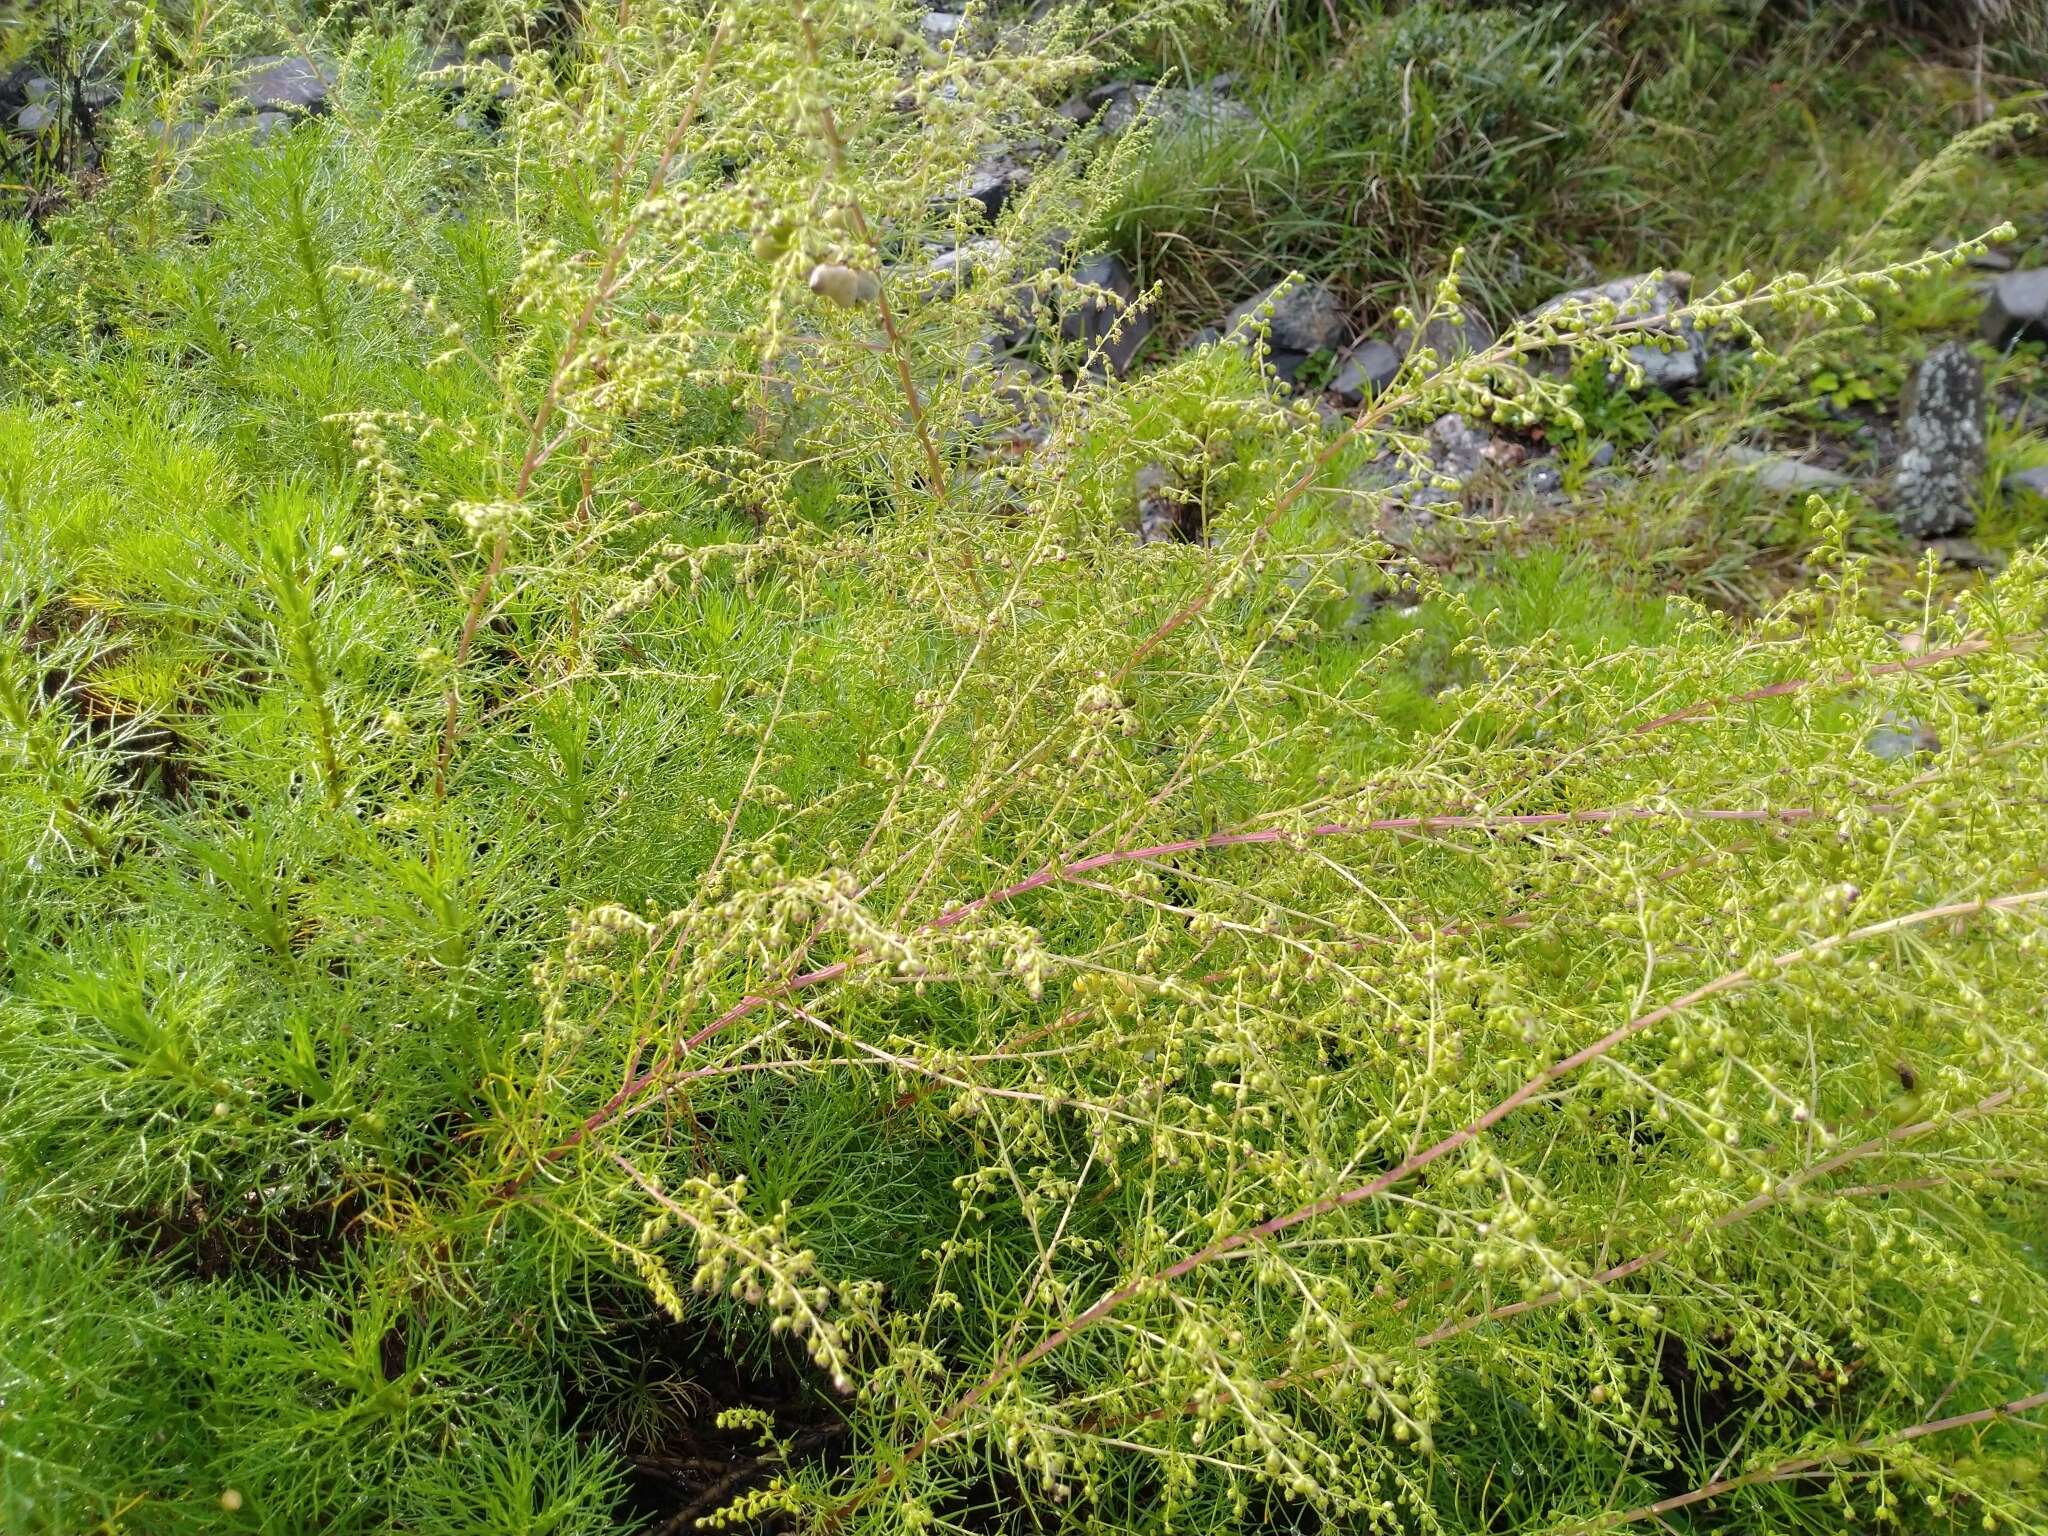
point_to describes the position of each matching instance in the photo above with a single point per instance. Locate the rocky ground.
(1920, 460)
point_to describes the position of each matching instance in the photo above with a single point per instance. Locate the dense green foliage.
(600, 878)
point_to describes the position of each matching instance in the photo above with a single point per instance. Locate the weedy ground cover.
(616, 913)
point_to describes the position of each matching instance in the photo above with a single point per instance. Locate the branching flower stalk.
(1272, 1029)
(1417, 1161)
(540, 446)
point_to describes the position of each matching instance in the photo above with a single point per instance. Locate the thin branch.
(953, 916)
(537, 449)
(1414, 1163)
(1802, 1466)
(1839, 680)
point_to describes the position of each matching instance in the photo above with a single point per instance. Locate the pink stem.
(1795, 684)
(1415, 1162)
(954, 916)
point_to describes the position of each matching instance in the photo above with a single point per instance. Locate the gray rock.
(36, 119)
(1458, 448)
(2022, 483)
(1304, 317)
(1207, 336)
(1967, 555)
(1368, 368)
(950, 270)
(1166, 513)
(1899, 738)
(1449, 339)
(262, 127)
(1784, 475)
(285, 83)
(92, 95)
(1601, 456)
(2018, 308)
(1018, 316)
(1115, 105)
(1106, 322)
(1942, 452)
(459, 74)
(1543, 478)
(941, 27)
(176, 136)
(1402, 494)
(1182, 107)
(1405, 491)
(993, 180)
(1287, 365)
(1678, 360)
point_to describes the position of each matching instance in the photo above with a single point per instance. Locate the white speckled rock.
(1941, 460)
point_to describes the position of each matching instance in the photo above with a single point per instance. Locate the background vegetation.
(622, 904)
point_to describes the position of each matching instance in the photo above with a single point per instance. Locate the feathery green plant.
(585, 830)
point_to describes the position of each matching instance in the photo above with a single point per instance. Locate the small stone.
(1449, 339)
(1601, 456)
(949, 270)
(1207, 336)
(36, 119)
(458, 74)
(1967, 555)
(1287, 365)
(1785, 476)
(1898, 739)
(1543, 478)
(1112, 106)
(1367, 369)
(2022, 483)
(1166, 514)
(1403, 492)
(2018, 308)
(1400, 496)
(176, 136)
(1457, 448)
(265, 126)
(1115, 105)
(941, 27)
(1645, 302)
(1941, 460)
(39, 88)
(993, 180)
(285, 83)
(1108, 325)
(1304, 317)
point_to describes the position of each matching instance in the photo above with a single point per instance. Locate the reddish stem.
(1412, 1164)
(953, 916)
(1800, 1465)
(1842, 679)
